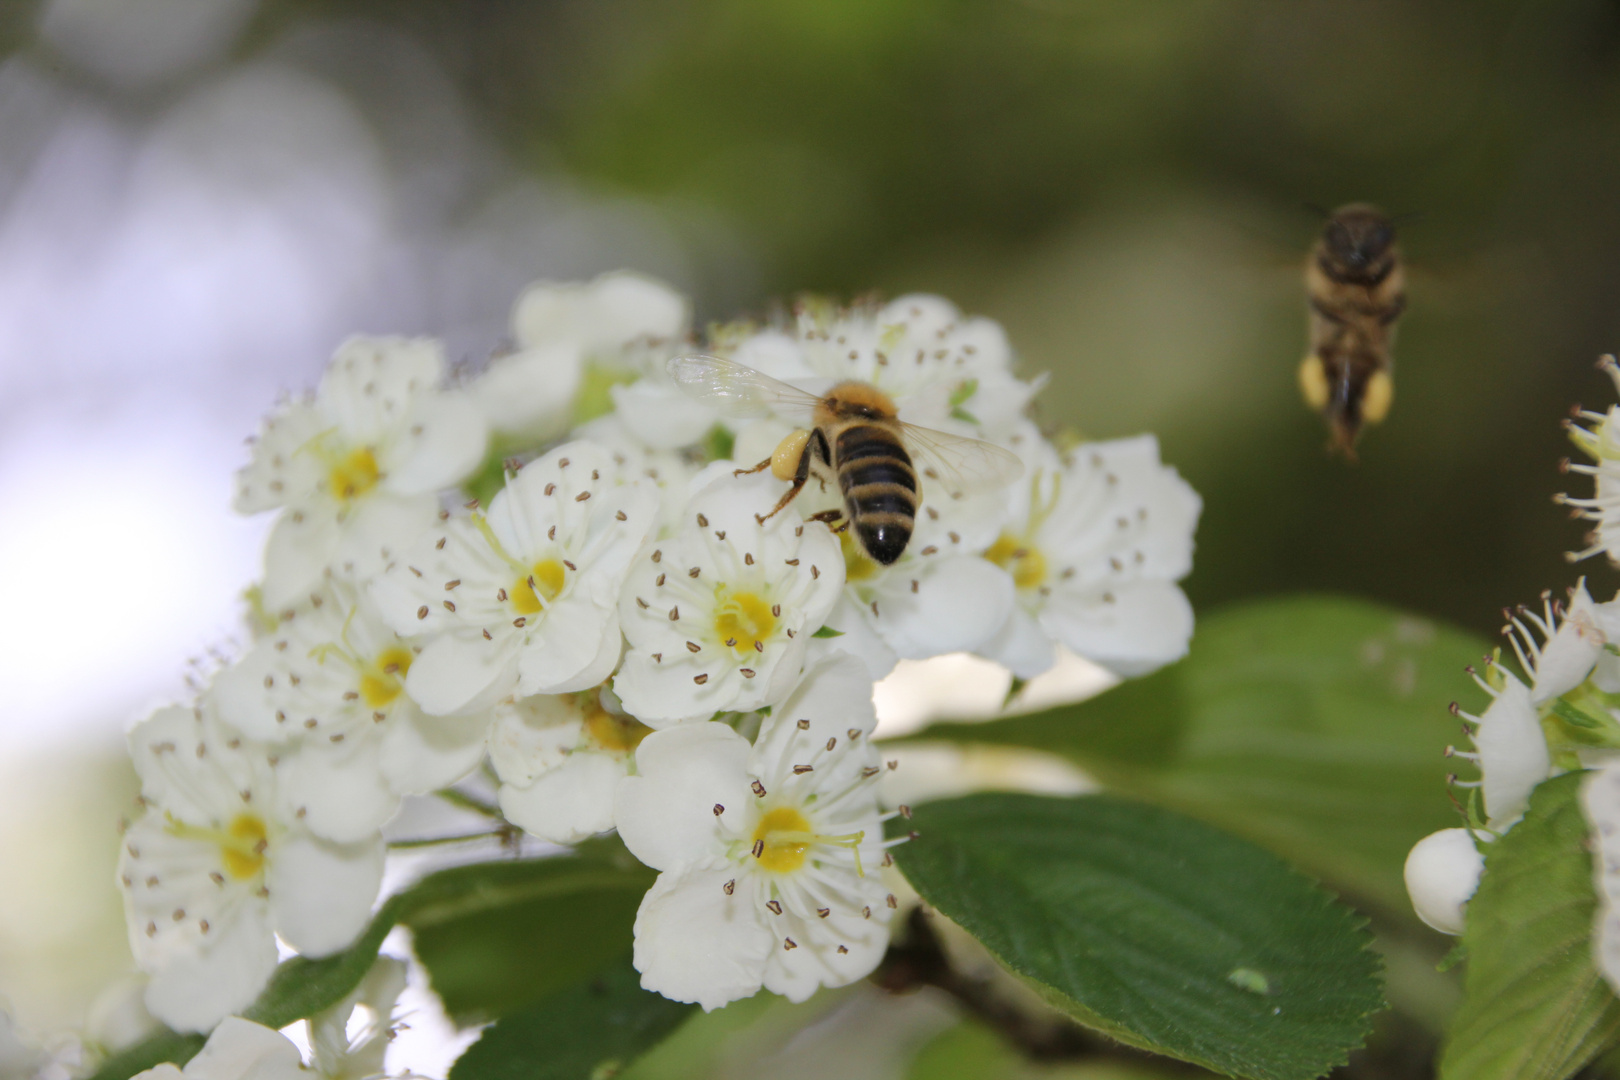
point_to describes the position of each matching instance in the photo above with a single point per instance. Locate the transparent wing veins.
(959, 465)
(733, 388)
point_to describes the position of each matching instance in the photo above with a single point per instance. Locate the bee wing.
(959, 465)
(733, 388)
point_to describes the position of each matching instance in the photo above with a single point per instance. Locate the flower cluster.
(1559, 713)
(561, 566)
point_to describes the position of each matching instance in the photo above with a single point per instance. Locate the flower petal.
(321, 893)
(1513, 756)
(666, 813)
(570, 802)
(1146, 625)
(242, 1050)
(338, 793)
(957, 604)
(459, 670)
(194, 992)
(694, 942)
(296, 554)
(1442, 873)
(1021, 646)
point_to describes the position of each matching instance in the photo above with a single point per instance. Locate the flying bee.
(852, 434)
(1357, 290)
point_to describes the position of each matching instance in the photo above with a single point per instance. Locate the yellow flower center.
(1019, 558)
(245, 857)
(241, 844)
(744, 622)
(622, 733)
(858, 566)
(786, 836)
(382, 681)
(354, 475)
(539, 588)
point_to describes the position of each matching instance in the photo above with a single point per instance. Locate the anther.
(692, 646)
(582, 496)
(824, 911)
(905, 811)
(730, 886)
(449, 606)
(758, 788)
(422, 612)
(703, 522)
(803, 725)
(451, 584)
(892, 902)
(774, 905)
(520, 622)
(675, 613)
(700, 679)
(718, 809)
(800, 770)
(747, 673)
(789, 943)
(758, 848)
(550, 488)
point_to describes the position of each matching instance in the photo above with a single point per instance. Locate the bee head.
(1358, 238)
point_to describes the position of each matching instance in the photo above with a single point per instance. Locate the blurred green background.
(1121, 183)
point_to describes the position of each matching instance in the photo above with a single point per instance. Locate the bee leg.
(792, 492)
(829, 516)
(761, 467)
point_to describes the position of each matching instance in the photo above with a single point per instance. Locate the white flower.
(559, 759)
(574, 341)
(1572, 642)
(769, 855)
(1095, 545)
(213, 872)
(525, 598)
(719, 615)
(670, 472)
(943, 371)
(338, 1055)
(1442, 872)
(1600, 798)
(357, 465)
(326, 687)
(1601, 443)
(1512, 753)
(242, 1050)
(238, 1050)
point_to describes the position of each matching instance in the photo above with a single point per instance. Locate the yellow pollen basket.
(786, 836)
(1024, 561)
(382, 681)
(621, 733)
(548, 576)
(354, 474)
(744, 620)
(858, 565)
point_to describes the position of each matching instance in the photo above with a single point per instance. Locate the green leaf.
(1535, 1007)
(1314, 725)
(1154, 928)
(718, 443)
(566, 886)
(827, 632)
(581, 1032)
(528, 933)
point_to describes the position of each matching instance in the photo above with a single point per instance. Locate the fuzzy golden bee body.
(1357, 291)
(854, 435)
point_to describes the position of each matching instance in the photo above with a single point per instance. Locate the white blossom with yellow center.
(1094, 545)
(719, 615)
(559, 758)
(770, 855)
(1601, 443)
(524, 598)
(574, 342)
(943, 370)
(356, 466)
(212, 872)
(326, 689)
